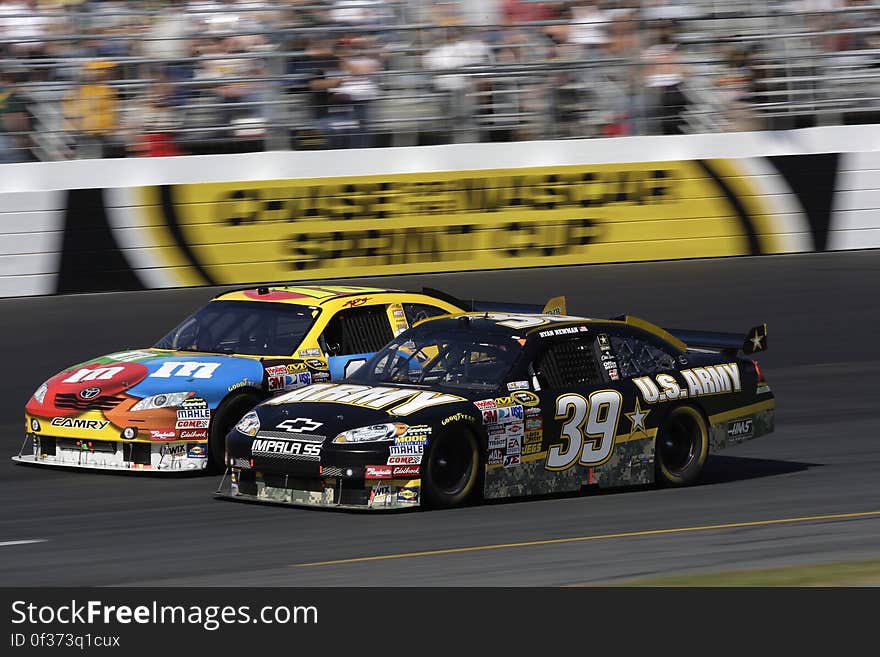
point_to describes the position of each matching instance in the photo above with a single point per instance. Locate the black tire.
(682, 447)
(227, 415)
(451, 468)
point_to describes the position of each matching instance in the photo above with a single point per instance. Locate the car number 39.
(588, 429)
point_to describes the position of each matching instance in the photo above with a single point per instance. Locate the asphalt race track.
(823, 460)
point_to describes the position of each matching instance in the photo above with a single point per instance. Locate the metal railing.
(151, 78)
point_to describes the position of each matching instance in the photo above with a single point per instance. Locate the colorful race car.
(168, 408)
(497, 405)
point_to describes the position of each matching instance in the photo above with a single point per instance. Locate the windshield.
(461, 360)
(259, 328)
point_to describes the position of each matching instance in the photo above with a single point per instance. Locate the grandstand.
(91, 78)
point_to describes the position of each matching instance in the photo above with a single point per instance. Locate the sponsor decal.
(514, 429)
(288, 381)
(534, 448)
(196, 434)
(196, 451)
(94, 374)
(497, 442)
(405, 460)
(317, 363)
(381, 495)
(406, 439)
(406, 471)
(241, 384)
(494, 457)
(457, 417)
(285, 447)
(533, 436)
(296, 368)
(163, 435)
(192, 424)
(378, 472)
(188, 369)
(77, 423)
(194, 402)
(532, 411)
(173, 450)
(312, 352)
(511, 460)
(490, 416)
(513, 446)
(408, 495)
(276, 370)
(526, 398)
(485, 404)
(354, 303)
(129, 356)
(613, 375)
(534, 423)
(299, 425)
(604, 342)
(740, 429)
(89, 393)
(699, 381)
(405, 450)
(193, 414)
(518, 385)
(510, 414)
(403, 401)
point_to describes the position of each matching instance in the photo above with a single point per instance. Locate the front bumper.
(116, 455)
(327, 492)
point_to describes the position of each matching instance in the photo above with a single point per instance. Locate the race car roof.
(302, 295)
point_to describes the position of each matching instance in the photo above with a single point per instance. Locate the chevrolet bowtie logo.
(300, 425)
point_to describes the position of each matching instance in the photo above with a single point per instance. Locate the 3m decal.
(188, 369)
(588, 429)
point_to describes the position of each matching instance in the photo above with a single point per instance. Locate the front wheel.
(227, 415)
(451, 468)
(682, 447)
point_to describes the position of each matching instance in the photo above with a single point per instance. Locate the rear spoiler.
(752, 342)
(555, 306)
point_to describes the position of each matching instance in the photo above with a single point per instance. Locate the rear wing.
(555, 306)
(752, 342)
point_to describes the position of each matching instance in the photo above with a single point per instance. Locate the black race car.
(501, 405)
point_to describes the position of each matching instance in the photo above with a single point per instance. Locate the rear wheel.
(682, 447)
(451, 468)
(227, 415)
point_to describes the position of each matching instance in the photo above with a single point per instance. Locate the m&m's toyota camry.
(497, 405)
(168, 408)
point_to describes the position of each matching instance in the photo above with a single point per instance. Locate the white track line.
(24, 542)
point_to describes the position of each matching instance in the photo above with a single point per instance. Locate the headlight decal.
(40, 394)
(162, 400)
(373, 433)
(249, 425)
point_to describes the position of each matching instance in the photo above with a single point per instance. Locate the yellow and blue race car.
(168, 408)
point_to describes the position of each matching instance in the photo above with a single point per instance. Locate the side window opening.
(357, 331)
(636, 357)
(568, 363)
(416, 312)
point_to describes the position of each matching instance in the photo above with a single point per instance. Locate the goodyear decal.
(452, 221)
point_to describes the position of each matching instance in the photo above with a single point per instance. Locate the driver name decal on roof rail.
(375, 397)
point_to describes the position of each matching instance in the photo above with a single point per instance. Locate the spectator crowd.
(114, 78)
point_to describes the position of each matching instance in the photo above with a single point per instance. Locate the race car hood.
(123, 379)
(328, 409)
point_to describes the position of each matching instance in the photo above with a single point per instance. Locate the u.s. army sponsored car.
(501, 405)
(168, 408)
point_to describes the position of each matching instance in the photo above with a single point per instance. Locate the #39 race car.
(502, 405)
(168, 408)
